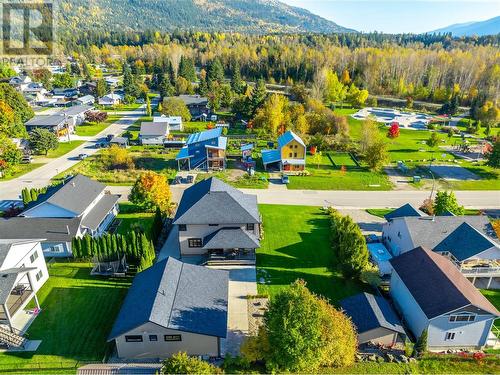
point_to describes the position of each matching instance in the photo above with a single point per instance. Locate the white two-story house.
(432, 294)
(77, 207)
(468, 241)
(219, 221)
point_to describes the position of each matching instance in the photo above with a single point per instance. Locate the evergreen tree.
(421, 344)
(33, 195)
(493, 156)
(258, 96)
(237, 84)
(88, 249)
(132, 245)
(75, 248)
(149, 111)
(25, 194)
(215, 71)
(187, 69)
(101, 88)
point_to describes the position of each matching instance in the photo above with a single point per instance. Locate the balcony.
(20, 294)
(240, 257)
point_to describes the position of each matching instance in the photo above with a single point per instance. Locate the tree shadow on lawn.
(484, 174)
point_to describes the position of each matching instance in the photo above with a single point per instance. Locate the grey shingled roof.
(428, 232)
(178, 296)
(436, 284)
(465, 242)
(76, 110)
(46, 120)
(50, 229)
(154, 128)
(212, 201)
(230, 238)
(404, 211)
(369, 312)
(75, 195)
(192, 99)
(99, 212)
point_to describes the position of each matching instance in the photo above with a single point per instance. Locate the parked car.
(213, 118)
(27, 159)
(83, 156)
(285, 179)
(190, 179)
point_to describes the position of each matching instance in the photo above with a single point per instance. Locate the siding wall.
(400, 240)
(200, 231)
(292, 148)
(192, 344)
(48, 253)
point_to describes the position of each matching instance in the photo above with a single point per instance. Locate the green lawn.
(143, 160)
(325, 176)
(78, 311)
(19, 170)
(92, 128)
(490, 178)
(342, 159)
(63, 148)
(296, 246)
(494, 297)
(132, 219)
(380, 212)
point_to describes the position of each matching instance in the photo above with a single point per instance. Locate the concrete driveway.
(242, 282)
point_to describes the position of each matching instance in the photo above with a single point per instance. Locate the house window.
(250, 226)
(59, 248)
(38, 275)
(133, 338)
(294, 154)
(290, 155)
(450, 336)
(182, 227)
(153, 338)
(34, 256)
(172, 338)
(195, 242)
(462, 318)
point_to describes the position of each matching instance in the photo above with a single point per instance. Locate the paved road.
(371, 199)
(41, 176)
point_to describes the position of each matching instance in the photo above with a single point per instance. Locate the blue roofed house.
(468, 241)
(289, 156)
(375, 320)
(218, 222)
(431, 293)
(204, 150)
(405, 210)
(171, 307)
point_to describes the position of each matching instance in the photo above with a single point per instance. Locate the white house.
(85, 100)
(431, 293)
(174, 122)
(469, 241)
(22, 273)
(75, 115)
(20, 82)
(77, 207)
(110, 99)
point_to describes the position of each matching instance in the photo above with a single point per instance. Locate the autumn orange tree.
(151, 191)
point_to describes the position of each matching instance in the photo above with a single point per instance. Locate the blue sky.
(397, 16)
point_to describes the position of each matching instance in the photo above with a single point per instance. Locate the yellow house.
(290, 155)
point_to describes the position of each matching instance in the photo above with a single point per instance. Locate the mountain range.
(257, 16)
(488, 27)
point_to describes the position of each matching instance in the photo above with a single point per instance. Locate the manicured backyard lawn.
(78, 311)
(296, 245)
(90, 129)
(326, 176)
(132, 219)
(63, 148)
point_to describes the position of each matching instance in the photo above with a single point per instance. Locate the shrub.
(181, 363)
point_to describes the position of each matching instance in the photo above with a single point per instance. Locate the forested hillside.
(204, 15)
(487, 27)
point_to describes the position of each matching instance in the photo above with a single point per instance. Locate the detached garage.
(172, 307)
(375, 320)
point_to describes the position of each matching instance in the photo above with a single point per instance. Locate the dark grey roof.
(369, 312)
(178, 296)
(76, 110)
(405, 210)
(230, 238)
(429, 231)
(465, 242)
(8, 280)
(212, 201)
(46, 120)
(99, 212)
(50, 229)
(75, 195)
(154, 128)
(436, 284)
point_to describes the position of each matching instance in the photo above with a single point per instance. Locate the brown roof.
(437, 284)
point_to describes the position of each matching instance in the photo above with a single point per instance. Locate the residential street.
(41, 176)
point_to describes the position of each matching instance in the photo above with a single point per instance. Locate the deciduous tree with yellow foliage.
(151, 191)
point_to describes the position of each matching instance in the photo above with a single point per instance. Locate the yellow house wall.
(290, 148)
